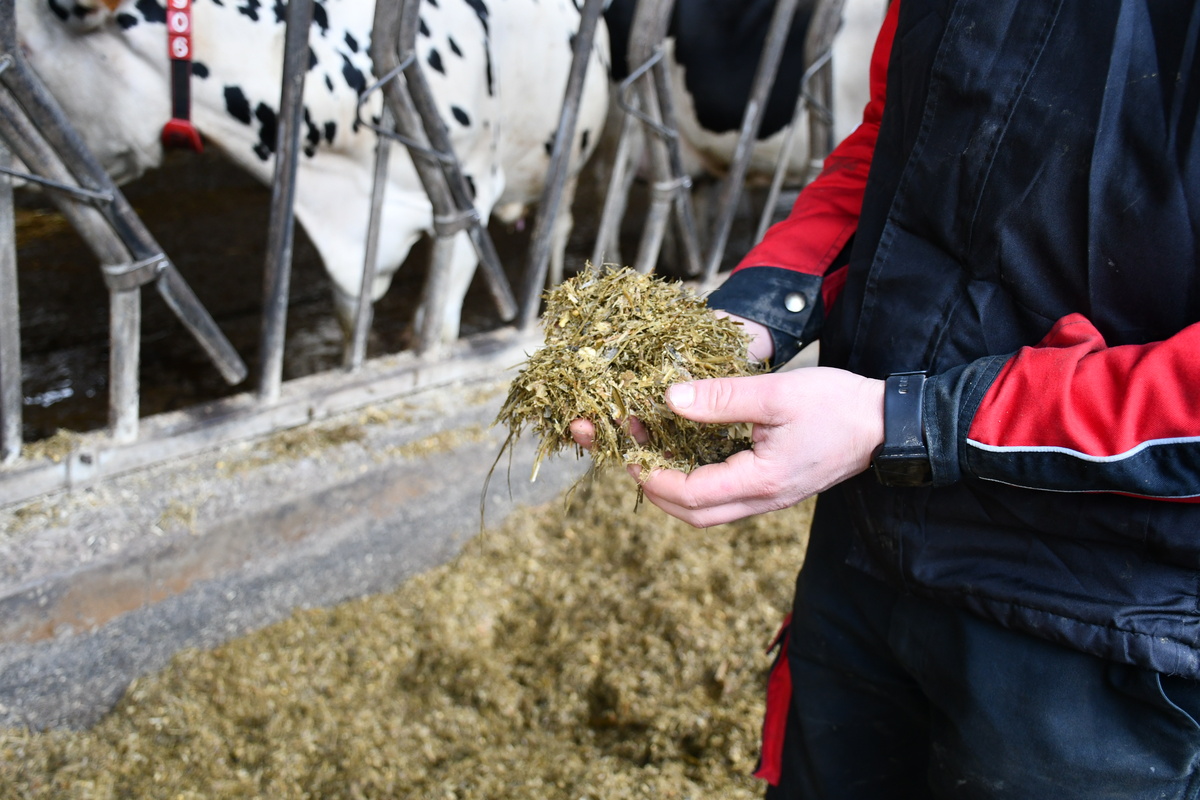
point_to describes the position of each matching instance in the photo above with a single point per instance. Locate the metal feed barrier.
(33, 127)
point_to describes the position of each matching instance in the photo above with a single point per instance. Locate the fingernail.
(682, 395)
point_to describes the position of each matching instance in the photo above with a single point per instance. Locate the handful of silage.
(615, 341)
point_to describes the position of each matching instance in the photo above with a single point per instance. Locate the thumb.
(721, 400)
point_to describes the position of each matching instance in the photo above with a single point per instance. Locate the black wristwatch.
(903, 458)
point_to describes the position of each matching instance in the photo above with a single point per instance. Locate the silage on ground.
(582, 652)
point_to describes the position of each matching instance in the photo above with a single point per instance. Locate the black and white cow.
(714, 47)
(497, 68)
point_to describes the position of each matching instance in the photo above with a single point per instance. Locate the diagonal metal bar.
(52, 124)
(764, 78)
(560, 165)
(416, 118)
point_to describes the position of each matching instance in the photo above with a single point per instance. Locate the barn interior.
(337, 609)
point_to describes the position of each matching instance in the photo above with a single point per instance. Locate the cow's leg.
(452, 267)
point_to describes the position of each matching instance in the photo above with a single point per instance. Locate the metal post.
(655, 109)
(356, 352)
(10, 323)
(419, 126)
(123, 276)
(560, 165)
(277, 273)
(815, 97)
(764, 77)
(32, 100)
(607, 246)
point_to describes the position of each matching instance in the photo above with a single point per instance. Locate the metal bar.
(650, 80)
(560, 165)
(764, 77)
(356, 352)
(615, 199)
(32, 100)
(804, 102)
(685, 215)
(11, 396)
(439, 137)
(124, 356)
(277, 272)
(393, 45)
(124, 304)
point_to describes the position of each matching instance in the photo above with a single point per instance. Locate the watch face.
(903, 468)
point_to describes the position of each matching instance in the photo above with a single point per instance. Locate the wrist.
(902, 459)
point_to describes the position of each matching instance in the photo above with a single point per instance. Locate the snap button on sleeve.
(795, 302)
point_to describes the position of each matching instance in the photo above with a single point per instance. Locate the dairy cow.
(497, 68)
(714, 47)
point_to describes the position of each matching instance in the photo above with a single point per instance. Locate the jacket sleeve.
(1074, 415)
(789, 278)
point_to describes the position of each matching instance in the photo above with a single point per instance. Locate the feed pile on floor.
(588, 651)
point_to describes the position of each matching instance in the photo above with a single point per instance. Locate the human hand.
(813, 428)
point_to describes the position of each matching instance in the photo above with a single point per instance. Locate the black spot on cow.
(321, 17)
(236, 104)
(220, 3)
(354, 77)
(312, 135)
(548, 146)
(199, 70)
(481, 11)
(312, 59)
(125, 21)
(151, 11)
(268, 131)
(59, 10)
(583, 139)
(435, 61)
(433, 3)
(422, 28)
(328, 82)
(351, 42)
(470, 186)
(280, 11)
(250, 9)
(571, 42)
(454, 48)
(330, 131)
(461, 116)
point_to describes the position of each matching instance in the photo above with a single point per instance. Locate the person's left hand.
(813, 428)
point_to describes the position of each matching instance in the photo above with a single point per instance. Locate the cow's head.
(108, 69)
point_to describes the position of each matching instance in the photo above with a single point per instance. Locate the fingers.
(752, 399)
(584, 432)
(713, 494)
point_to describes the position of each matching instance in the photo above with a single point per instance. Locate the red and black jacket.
(1019, 216)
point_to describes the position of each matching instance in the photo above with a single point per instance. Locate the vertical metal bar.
(685, 215)
(764, 77)
(356, 353)
(814, 97)
(31, 101)
(124, 303)
(560, 165)
(10, 322)
(439, 138)
(125, 345)
(616, 198)
(281, 229)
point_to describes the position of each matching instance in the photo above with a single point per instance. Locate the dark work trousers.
(900, 698)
